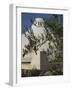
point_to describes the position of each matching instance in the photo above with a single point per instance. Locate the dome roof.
(39, 20)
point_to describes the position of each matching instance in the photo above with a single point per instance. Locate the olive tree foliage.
(57, 39)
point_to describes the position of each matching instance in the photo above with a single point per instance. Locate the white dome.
(39, 22)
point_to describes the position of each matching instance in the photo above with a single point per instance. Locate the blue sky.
(26, 19)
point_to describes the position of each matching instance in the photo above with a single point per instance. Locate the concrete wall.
(38, 61)
(35, 62)
(43, 61)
